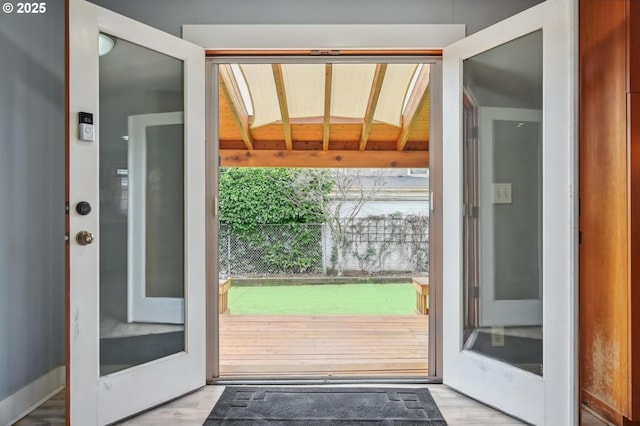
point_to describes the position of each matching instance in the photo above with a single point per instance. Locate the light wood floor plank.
(193, 409)
(457, 409)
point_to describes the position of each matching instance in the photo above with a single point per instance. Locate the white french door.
(509, 215)
(137, 215)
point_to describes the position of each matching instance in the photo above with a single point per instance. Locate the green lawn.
(345, 299)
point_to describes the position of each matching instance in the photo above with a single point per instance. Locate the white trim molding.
(354, 37)
(30, 397)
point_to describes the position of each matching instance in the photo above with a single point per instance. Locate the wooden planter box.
(223, 296)
(421, 285)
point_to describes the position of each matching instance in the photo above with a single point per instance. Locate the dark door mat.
(324, 406)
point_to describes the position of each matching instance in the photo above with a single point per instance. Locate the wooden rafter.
(418, 97)
(352, 158)
(234, 99)
(328, 82)
(282, 101)
(376, 87)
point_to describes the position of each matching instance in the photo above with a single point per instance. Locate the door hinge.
(471, 211)
(579, 237)
(66, 238)
(66, 207)
(579, 206)
(475, 292)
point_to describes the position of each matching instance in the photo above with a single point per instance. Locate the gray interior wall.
(170, 15)
(31, 196)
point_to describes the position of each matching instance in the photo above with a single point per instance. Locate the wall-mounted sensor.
(86, 129)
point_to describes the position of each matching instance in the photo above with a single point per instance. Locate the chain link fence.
(272, 250)
(371, 245)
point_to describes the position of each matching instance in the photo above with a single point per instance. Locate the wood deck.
(323, 345)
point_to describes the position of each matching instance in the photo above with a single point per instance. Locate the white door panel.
(529, 370)
(119, 367)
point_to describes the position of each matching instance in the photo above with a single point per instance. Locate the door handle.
(84, 238)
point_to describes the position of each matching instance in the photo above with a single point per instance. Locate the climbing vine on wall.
(373, 240)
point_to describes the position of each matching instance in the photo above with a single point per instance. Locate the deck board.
(323, 345)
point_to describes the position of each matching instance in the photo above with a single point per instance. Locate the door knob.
(84, 238)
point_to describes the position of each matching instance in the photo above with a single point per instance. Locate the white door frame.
(552, 398)
(100, 400)
(324, 37)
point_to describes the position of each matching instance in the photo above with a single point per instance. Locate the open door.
(509, 216)
(136, 216)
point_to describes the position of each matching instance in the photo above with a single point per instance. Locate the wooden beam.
(327, 159)
(316, 145)
(376, 87)
(282, 101)
(418, 97)
(328, 83)
(234, 99)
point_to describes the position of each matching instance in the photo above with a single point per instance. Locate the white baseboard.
(21, 403)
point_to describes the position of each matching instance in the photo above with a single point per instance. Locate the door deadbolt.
(84, 238)
(83, 208)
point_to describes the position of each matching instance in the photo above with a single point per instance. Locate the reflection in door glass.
(502, 232)
(141, 206)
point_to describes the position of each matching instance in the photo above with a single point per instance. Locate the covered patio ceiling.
(324, 115)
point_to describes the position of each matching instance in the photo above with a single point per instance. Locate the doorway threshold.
(323, 380)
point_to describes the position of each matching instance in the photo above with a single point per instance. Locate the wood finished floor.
(192, 410)
(319, 345)
(51, 412)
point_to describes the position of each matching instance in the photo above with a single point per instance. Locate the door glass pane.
(503, 202)
(164, 231)
(141, 206)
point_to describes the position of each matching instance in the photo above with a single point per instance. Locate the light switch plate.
(497, 336)
(501, 193)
